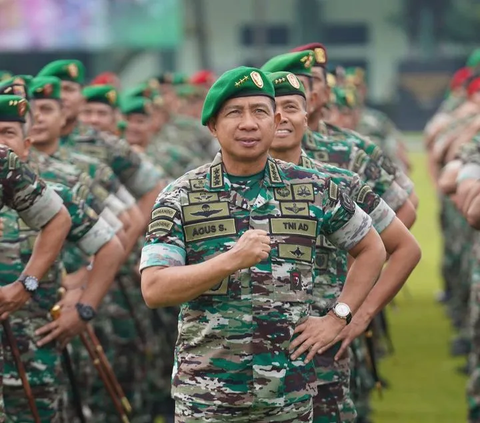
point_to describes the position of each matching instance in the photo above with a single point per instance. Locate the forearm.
(76, 280)
(48, 244)
(169, 286)
(407, 214)
(105, 266)
(136, 229)
(362, 276)
(399, 267)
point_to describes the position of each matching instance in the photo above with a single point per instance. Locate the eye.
(233, 113)
(261, 111)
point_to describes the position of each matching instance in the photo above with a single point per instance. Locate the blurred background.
(408, 47)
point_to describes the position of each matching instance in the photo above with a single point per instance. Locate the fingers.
(4, 316)
(345, 344)
(50, 337)
(47, 328)
(302, 348)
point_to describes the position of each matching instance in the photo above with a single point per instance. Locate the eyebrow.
(288, 101)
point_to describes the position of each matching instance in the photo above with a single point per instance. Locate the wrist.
(229, 262)
(85, 311)
(341, 322)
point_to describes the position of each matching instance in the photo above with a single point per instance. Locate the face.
(49, 118)
(139, 129)
(475, 98)
(245, 128)
(99, 115)
(334, 116)
(158, 119)
(320, 87)
(293, 123)
(348, 119)
(72, 99)
(11, 135)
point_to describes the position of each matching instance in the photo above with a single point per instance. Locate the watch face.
(342, 309)
(31, 284)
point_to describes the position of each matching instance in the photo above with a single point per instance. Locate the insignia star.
(295, 209)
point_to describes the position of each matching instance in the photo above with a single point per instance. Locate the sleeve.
(24, 192)
(344, 223)
(125, 197)
(395, 197)
(137, 174)
(88, 231)
(165, 240)
(115, 205)
(404, 181)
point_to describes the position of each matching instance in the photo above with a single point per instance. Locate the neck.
(289, 156)
(69, 127)
(314, 119)
(237, 168)
(48, 148)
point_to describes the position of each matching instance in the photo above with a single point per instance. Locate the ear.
(212, 126)
(27, 143)
(313, 101)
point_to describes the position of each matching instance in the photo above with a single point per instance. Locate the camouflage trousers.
(361, 379)
(333, 403)
(42, 366)
(203, 413)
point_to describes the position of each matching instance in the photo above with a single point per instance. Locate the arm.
(406, 214)
(146, 202)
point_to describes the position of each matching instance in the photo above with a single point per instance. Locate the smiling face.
(99, 115)
(293, 123)
(12, 135)
(48, 122)
(245, 127)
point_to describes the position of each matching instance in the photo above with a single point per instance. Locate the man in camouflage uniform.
(29, 324)
(333, 402)
(245, 292)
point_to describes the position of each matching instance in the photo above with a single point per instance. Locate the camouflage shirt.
(374, 151)
(139, 176)
(469, 155)
(346, 155)
(233, 339)
(23, 191)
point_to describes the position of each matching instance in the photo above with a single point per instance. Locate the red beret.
(203, 77)
(460, 77)
(319, 50)
(474, 87)
(106, 78)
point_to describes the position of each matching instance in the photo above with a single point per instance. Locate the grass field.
(425, 387)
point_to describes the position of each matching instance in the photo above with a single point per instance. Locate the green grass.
(425, 387)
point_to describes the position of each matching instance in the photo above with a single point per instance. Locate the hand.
(12, 297)
(63, 329)
(356, 328)
(315, 333)
(252, 247)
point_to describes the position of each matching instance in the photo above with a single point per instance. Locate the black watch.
(30, 283)
(85, 312)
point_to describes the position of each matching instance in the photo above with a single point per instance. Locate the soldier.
(139, 176)
(31, 325)
(100, 108)
(333, 402)
(245, 291)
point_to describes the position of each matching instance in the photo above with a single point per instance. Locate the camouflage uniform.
(225, 354)
(333, 403)
(42, 365)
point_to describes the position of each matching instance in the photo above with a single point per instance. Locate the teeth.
(283, 131)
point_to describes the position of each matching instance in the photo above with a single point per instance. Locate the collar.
(217, 178)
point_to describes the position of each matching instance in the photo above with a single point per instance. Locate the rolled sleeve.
(115, 205)
(162, 255)
(468, 171)
(349, 235)
(382, 216)
(42, 210)
(125, 197)
(144, 179)
(96, 237)
(395, 196)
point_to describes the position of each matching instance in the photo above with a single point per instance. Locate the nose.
(248, 123)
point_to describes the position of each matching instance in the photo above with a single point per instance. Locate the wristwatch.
(30, 283)
(85, 312)
(342, 311)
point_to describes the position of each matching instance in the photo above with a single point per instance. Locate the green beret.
(65, 70)
(106, 94)
(345, 97)
(145, 89)
(286, 83)
(299, 63)
(474, 59)
(45, 88)
(13, 108)
(14, 86)
(189, 91)
(238, 82)
(355, 75)
(4, 74)
(136, 105)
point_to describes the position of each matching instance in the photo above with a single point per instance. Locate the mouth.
(248, 142)
(282, 133)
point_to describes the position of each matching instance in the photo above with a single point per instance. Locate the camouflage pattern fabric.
(371, 149)
(346, 155)
(41, 364)
(330, 274)
(203, 413)
(23, 191)
(139, 176)
(201, 215)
